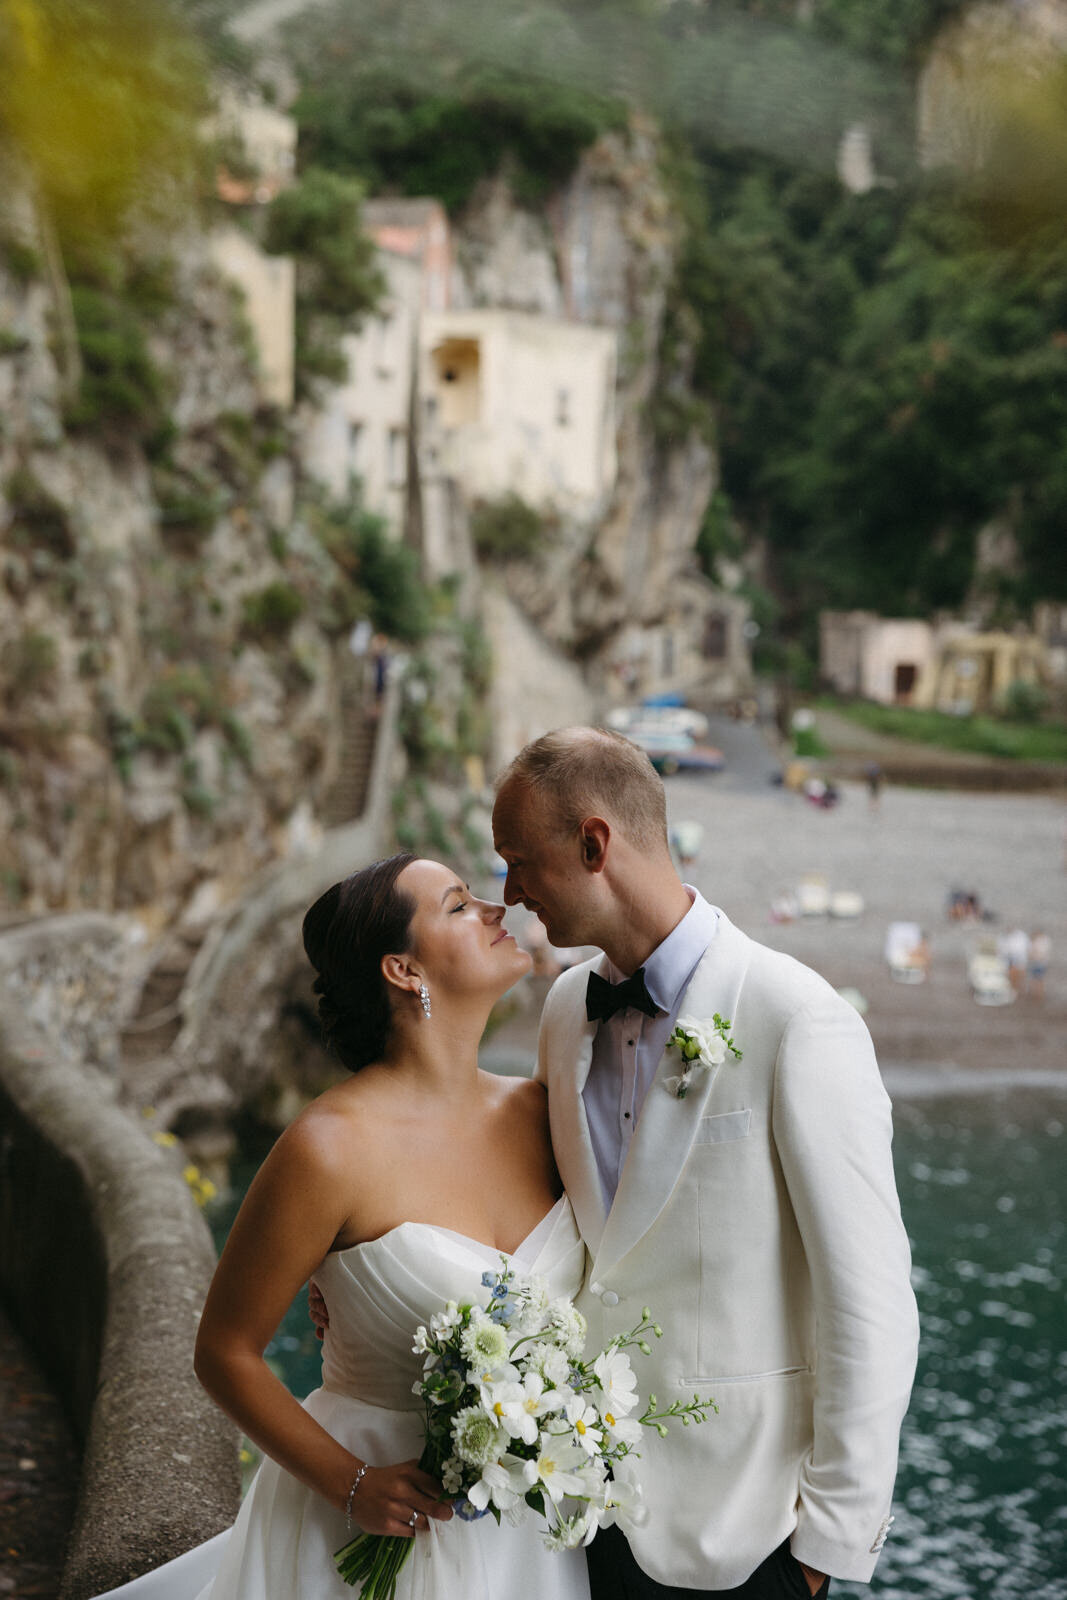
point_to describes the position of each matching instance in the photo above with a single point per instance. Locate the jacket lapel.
(668, 1126)
(571, 1056)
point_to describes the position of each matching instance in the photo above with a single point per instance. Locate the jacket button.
(609, 1297)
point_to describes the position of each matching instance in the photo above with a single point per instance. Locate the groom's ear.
(595, 836)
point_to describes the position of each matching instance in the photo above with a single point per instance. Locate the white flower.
(516, 1407)
(568, 1327)
(452, 1475)
(623, 1503)
(585, 1422)
(706, 1036)
(484, 1342)
(570, 1532)
(616, 1382)
(422, 1342)
(702, 1043)
(476, 1437)
(442, 1322)
(554, 1467)
(502, 1482)
(549, 1360)
(532, 1307)
(619, 1429)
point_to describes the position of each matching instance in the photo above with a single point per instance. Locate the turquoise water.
(981, 1501)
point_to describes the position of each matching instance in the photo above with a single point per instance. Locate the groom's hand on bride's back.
(317, 1309)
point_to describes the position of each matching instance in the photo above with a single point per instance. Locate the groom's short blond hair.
(584, 772)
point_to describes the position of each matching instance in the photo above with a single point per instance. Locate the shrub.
(173, 708)
(121, 388)
(271, 612)
(382, 575)
(508, 528)
(188, 506)
(1024, 701)
(41, 520)
(29, 665)
(21, 260)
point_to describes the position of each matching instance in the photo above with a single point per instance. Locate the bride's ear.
(399, 971)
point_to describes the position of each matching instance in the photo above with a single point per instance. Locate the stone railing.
(104, 1263)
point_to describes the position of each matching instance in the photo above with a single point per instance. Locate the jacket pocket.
(727, 1125)
(748, 1377)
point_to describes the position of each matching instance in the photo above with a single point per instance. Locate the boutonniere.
(702, 1044)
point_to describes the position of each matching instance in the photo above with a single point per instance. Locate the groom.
(756, 1214)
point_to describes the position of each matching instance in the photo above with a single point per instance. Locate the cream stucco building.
(905, 661)
(521, 404)
(267, 140)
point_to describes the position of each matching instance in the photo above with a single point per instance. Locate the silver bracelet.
(356, 1481)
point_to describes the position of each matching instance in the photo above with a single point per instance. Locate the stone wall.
(104, 1264)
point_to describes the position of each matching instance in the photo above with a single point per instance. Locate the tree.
(319, 221)
(98, 106)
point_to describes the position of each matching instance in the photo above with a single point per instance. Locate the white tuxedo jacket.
(758, 1219)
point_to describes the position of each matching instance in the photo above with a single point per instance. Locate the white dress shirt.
(629, 1046)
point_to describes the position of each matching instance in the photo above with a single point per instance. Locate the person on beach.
(1038, 958)
(746, 1193)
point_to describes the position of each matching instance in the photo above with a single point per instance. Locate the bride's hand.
(388, 1498)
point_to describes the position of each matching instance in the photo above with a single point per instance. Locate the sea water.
(981, 1498)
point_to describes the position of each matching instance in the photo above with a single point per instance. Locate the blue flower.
(466, 1512)
(504, 1313)
(489, 1280)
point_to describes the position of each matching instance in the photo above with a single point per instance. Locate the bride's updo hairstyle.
(346, 933)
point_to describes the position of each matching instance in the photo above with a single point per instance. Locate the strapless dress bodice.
(283, 1543)
(379, 1292)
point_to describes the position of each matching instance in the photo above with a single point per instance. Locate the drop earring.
(424, 996)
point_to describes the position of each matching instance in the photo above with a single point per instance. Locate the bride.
(395, 1190)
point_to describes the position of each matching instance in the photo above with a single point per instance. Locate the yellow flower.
(167, 1140)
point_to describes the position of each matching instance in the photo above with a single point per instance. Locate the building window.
(385, 362)
(714, 646)
(457, 364)
(398, 456)
(355, 441)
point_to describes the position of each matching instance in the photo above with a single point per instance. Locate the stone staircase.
(348, 797)
(149, 1033)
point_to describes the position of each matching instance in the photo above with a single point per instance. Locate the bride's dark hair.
(346, 933)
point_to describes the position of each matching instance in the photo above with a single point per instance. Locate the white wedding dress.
(282, 1545)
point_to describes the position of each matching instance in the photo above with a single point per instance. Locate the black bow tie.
(603, 999)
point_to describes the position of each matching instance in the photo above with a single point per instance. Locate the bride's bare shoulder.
(331, 1127)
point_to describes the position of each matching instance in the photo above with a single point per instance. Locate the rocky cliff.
(170, 641)
(605, 252)
(174, 626)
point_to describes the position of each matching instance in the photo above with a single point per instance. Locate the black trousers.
(615, 1575)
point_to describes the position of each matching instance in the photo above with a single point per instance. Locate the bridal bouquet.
(520, 1420)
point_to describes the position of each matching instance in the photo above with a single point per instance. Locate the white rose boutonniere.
(702, 1044)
